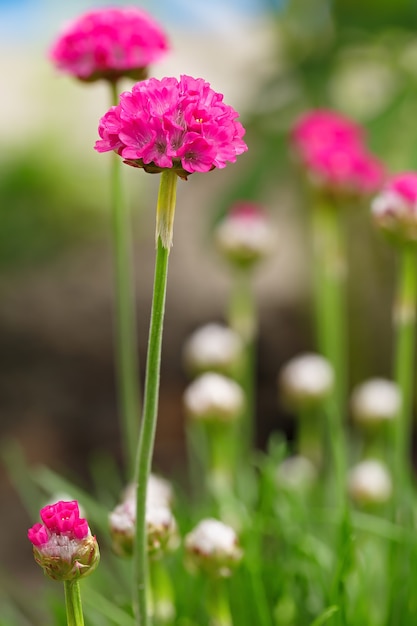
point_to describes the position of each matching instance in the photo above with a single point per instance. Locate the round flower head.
(212, 347)
(63, 544)
(375, 401)
(109, 43)
(306, 379)
(212, 546)
(296, 474)
(214, 398)
(244, 236)
(161, 526)
(332, 151)
(394, 209)
(369, 483)
(172, 124)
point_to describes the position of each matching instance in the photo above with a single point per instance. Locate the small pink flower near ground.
(332, 151)
(172, 124)
(63, 544)
(109, 43)
(394, 209)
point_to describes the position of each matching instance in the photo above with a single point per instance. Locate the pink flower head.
(109, 43)
(394, 209)
(63, 544)
(172, 124)
(331, 148)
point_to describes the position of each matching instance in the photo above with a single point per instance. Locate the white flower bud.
(214, 398)
(374, 401)
(213, 547)
(296, 473)
(212, 348)
(245, 236)
(369, 482)
(306, 379)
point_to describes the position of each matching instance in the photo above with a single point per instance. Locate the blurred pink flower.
(63, 545)
(109, 43)
(394, 209)
(167, 123)
(331, 148)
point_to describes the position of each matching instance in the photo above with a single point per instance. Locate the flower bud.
(296, 474)
(160, 522)
(375, 401)
(394, 209)
(213, 348)
(63, 545)
(213, 547)
(306, 380)
(245, 236)
(369, 483)
(214, 398)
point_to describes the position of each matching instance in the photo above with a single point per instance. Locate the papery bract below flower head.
(172, 124)
(394, 209)
(109, 43)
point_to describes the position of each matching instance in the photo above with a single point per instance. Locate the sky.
(32, 20)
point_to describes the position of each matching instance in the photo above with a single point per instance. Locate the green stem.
(330, 312)
(243, 319)
(73, 603)
(127, 364)
(404, 321)
(166, 204)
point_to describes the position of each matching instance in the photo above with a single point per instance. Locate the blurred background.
(272, 59)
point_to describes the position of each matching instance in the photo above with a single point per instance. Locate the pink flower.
(394, 209)
(164, 124)
(63, 545)
(109, 43)
(331, 148)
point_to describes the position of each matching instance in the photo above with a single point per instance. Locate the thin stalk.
(331, 326)
(73, 603)
(242, 316)
(166, 205)
(127, 362)
(404, 322)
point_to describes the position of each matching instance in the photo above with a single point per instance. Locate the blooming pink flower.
(63, 544)
(181, 124)
(394, 209)
(109, 43)
(331, 148)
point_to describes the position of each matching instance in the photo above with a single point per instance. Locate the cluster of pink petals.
(60, 519)
(109, 43)
(182, 124)
(394, 209)
(332, 150)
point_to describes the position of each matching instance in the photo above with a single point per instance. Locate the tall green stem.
(330, 313)
(165, 213)
(73, 603)
(125, 317)
(404, 321)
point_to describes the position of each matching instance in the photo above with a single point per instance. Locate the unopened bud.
(369, 483)
(63, 544)
(375, 401)
(306, 380)
(245, 236)
(213, 348)
(213, 547)
(214, 398)
(160, 523)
